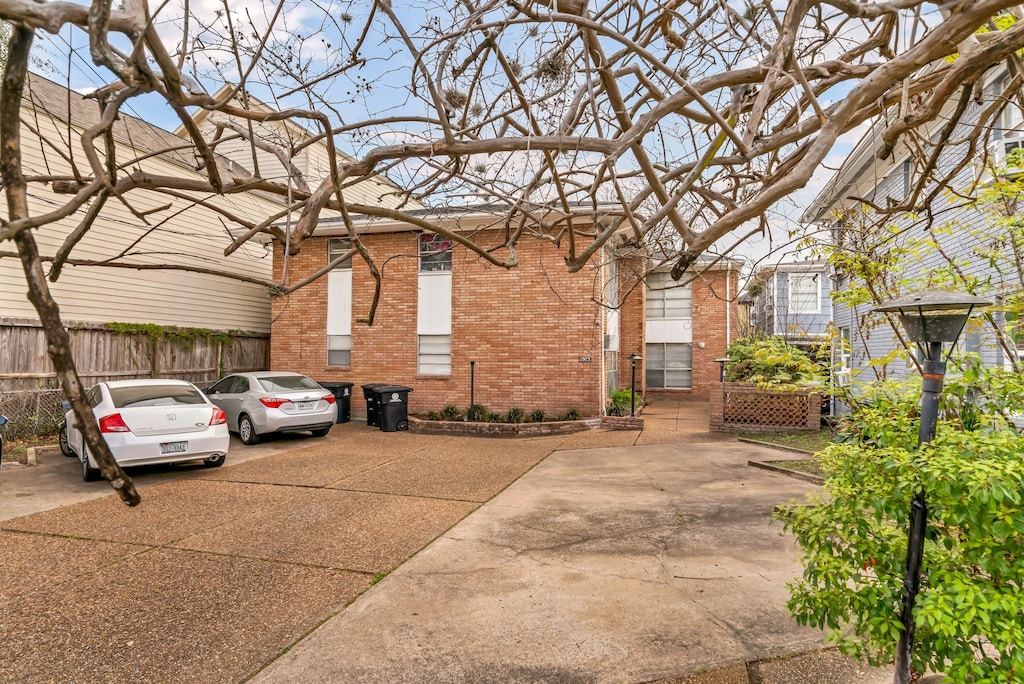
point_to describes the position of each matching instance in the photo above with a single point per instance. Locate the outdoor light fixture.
(929, 318)
(633, 358)
(721, 368)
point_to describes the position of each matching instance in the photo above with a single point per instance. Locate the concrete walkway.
(622, 556)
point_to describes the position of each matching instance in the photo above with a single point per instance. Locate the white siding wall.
(183, 234)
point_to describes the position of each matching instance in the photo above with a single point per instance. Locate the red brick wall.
(710, 326)
(526, 328)
(632, 320)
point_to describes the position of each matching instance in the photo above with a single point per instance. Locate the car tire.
(247, 431)
(322, 432)
(215, 461)
(62, 441)
(89, 474)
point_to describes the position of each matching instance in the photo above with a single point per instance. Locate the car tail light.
(273, 402)
(330, 399)
(218, 417)
(113, 423)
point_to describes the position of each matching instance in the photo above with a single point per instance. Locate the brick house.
(537, 336)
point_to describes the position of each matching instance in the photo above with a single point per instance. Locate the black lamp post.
(633, 358)
(929, 318)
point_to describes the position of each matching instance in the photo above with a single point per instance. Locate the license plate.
(173, 447)
(306, 405)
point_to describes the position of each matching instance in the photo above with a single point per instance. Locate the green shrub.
(572, 414)
(768, 360)
(537, 416)
(618, 403)
(433, 415)
(515, 415)
(495, 418)
(450, 412)
(853, 535)
(477, 413)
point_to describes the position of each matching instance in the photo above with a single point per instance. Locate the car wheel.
(89, 474)
(322, 432)
(215, 461)
(247, 431)
(62, 441)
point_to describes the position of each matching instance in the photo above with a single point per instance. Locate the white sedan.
(147, 422)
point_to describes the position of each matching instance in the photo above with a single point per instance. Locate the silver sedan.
(149, 421)
(264, 402)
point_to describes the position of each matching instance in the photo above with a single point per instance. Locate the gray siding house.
(792, 301)
(946, 246)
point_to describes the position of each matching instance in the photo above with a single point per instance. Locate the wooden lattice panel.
(764, 407)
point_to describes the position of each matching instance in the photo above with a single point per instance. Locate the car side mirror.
(3, 420)
(66, 405)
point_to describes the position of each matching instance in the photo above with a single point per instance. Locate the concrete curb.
(799, 474)
(780, 447)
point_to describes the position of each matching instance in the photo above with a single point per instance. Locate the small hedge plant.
(618, 403)
(853, 535)
(768, 361)
(478, 413)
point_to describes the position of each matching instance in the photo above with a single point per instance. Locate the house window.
(435, 355)
(435, 253)
(843, 357)
(335, 248)
(339, 304)
(804, 297)
(611, 365)
(669, 366)
(339, 350)
(666, 298)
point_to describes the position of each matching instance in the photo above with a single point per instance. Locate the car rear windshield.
(155, 395)
(286, 383)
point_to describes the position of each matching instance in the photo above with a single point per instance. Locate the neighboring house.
(792, 301)
(452, 326)
(179, 231)
(959, 234)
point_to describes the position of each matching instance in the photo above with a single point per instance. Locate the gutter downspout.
(728, 305)
(602, 389)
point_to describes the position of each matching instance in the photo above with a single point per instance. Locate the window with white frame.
(435, 355)
(804, 295)
(668, 299)
(336, 247)
(843, 357)
(669, 365)
(339, 304)
(435, 253)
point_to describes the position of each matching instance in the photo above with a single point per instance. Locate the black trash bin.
(394, 407)
(342, 392)
(372, 403)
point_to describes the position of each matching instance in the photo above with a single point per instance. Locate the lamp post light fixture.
(930, 318)
(633, 358)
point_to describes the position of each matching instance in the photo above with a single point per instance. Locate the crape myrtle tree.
(693, 117)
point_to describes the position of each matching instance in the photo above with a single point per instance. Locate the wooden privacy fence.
(741, 406)
(29, 390)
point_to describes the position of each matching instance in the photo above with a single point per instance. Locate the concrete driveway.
(371, 556)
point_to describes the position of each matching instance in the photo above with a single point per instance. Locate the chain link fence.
(31, 413)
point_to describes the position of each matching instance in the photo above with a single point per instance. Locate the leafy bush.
(515, 415)
(495, 418)
(450, 412)
(477, 413)
(537, 416)
(572, 414)
(768, 360)
(853, 535)
(618, 403)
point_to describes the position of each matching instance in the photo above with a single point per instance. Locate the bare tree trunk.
(58, 343)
